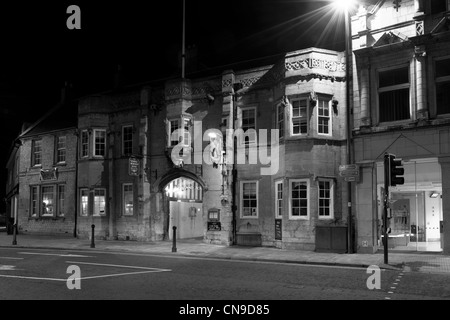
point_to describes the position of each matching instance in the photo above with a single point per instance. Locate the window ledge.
(60, 164)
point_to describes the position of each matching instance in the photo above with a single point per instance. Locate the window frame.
(54, 199)
(59, 149)
(393, 88)
(33, 153)
(327, 103)
(81, 190)
(440, 80)
(308, 196)
(127, 141)
(127, 184)
(278, 200)
(241, 118)
(34, 210)
(60, 209)
(83, 144)
(292, 101)
(281, 120)
(94, 211)
(241, 202)
(331, 199)
(94, 144)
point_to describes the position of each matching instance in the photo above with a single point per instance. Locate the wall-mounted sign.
(134, 165)
(278, 232)
(49, 174)
(214, 226)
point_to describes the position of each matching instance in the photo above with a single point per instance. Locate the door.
(188, 218)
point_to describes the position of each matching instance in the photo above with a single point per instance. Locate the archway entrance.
(185, 197)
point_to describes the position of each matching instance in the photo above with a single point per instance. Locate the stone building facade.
(45, 173)
(245, 157)
(401, 74)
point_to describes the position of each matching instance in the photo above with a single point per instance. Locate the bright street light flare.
(344, 5)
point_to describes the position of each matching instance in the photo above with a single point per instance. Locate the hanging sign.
(134, 165)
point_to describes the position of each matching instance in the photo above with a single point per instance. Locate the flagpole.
(183, 50)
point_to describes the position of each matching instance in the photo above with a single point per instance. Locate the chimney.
(66, 92)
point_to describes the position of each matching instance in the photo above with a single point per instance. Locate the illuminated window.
(99, 202)
(48, 202)
(127, 199)
(84, 202)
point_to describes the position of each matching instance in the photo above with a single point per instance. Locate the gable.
(390, 37)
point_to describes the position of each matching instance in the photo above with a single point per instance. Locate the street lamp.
(345, 6)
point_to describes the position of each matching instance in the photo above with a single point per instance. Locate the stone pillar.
(445, 169)
(365, 211)
(143, 196)
(227, 219)
(421, 90)
(364, 66)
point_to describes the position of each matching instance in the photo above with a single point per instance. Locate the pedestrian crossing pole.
(387, 179)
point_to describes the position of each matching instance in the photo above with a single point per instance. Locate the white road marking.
(4, 267)
(11, 258)
(118, 266)
(56, 254)
(32, 278)
(148, 270)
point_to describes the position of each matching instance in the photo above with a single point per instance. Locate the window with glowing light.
(99, 202)
(127, 199)
(48, 200)
(84, 202)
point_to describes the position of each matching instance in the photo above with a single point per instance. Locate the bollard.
(92, 238)
(14, 234)
(174, 246)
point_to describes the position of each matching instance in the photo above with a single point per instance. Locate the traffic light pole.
(385, 211)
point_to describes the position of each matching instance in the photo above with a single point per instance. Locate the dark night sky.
(38, 53)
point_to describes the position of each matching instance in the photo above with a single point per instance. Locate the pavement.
(411, 261)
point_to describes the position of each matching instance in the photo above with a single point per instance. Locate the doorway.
(185, 210)
(415, 209)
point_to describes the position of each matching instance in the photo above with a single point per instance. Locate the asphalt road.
(44, 274)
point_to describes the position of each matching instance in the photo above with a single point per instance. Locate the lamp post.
(345, 6)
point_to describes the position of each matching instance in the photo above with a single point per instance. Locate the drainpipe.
(234, 171)
(77, 134)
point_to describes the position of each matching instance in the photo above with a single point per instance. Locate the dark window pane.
(393, 77)
(442, 68)
(443, 97)
(438, 6)
(394, 105)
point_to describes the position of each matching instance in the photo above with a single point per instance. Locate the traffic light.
(395, 171)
